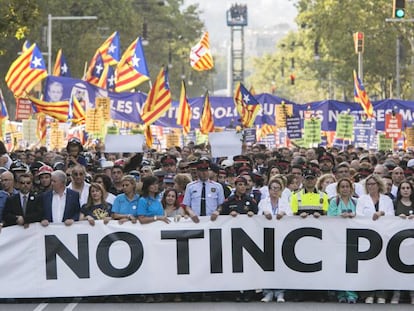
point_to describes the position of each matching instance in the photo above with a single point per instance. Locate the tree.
(326, 27)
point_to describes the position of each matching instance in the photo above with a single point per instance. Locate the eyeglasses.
(76, 174)
(275, 188)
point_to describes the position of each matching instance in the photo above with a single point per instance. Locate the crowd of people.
(89, 185)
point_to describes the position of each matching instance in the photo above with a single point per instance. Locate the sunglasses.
(77, 174)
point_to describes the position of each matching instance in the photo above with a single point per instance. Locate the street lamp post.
(50, 18)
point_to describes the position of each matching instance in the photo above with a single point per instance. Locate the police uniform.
(309, 202)
(240, 204)
(214, 196)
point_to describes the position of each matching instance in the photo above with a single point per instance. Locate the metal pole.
(49, 34)
(360, 67)
(49, 44)
(397, 69)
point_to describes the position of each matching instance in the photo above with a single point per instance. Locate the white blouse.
(366, 207)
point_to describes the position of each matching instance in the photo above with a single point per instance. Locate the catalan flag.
(184, 111)
(247, 106)
(148, 136)
(41, 128)
(95, 70)
(132, 70)
(158, 100)
(267, 129)
(361, 97)
(76, 111)
(61, 68)
(110, 50)
(3, 108)
(57, 110)
(26, 71)
(200, 55)
(26, 45)
(110, 79)
(103, 80)
(206, 121)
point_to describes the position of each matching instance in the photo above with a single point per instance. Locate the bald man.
(7, 184)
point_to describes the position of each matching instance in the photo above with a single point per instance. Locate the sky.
(261, 13)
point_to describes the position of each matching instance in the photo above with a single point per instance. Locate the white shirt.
(83, 196)
(366, 207)
(58, 206)
(331, 189)
(265, 206)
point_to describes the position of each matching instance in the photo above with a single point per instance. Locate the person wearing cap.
(74, 149)
(203, 196)
(169, 164)
(238, 203)
(45, 178)
(308, 200)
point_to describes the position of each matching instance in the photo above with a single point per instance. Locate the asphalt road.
(199, 306)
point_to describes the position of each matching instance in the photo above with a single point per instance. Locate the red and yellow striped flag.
(41, 128)
(148, 136)
(26, 71)
(206, 121)
(57, 110)
(78, 112)
(200, 55)
(158, 100)
(184, 111)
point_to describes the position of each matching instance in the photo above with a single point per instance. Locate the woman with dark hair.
(404, 208)
(106, 182)
(149, 207)
(171, 204)
(96, 208)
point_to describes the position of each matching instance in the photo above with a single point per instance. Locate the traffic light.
(359, 42)
(398, 9)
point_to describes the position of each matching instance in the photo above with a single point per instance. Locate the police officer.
(238, 203)
(203, 196)
(308, 200)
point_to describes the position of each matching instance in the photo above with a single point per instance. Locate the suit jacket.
(13, 208)
(72, 206)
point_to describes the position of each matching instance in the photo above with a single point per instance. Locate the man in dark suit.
(60, 204)
(24, 207)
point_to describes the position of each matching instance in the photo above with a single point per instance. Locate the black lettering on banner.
(54, 247)
(183, 254)
(393, 251)
(102, 254)
(216, 251)
(352, 245)
(240, 240)
(288, 250)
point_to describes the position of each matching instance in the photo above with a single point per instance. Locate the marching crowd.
(89, 185)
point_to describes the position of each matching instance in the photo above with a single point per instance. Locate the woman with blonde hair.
(324, 181)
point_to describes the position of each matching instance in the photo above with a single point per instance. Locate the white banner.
(228, 254)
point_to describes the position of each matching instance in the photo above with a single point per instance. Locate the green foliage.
(170, 27)
(332, 23)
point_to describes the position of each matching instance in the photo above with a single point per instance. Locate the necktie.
(24, 204)
(203, 201)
